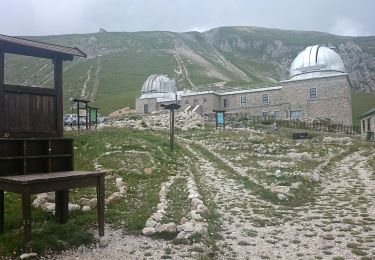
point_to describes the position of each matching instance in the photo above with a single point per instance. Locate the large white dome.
(316, 61)
(159, 84)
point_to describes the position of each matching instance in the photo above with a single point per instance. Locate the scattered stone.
(148, 170)
(86, 208)
(72, 207)
(28, 255)
(103, 241)
(148, 231)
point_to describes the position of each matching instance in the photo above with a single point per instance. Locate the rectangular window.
(369, 124)
(226, 102)
(363, 125)
(205, 100)
(296, 115)
(265, 99)
(243, 101)
(265, 114)
(145, 108)
(277, 114)
(312, 93)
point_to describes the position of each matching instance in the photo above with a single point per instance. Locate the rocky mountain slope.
(119, 62)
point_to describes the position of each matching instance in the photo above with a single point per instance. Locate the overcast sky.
(45, 17)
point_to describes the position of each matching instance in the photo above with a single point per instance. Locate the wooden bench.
(30, 166)
(297, 136)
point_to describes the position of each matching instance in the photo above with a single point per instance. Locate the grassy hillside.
(118, 63)
(362, 102)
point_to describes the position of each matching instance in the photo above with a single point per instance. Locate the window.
(145, 108)
(265, 98)
(312, 93)
(226, 102)
(296, 115)
(195, 102)
(265, 114)
(205, 100)
(363, 125)
(369, 124)
(243, 101)
(187, 102)
(277, 114)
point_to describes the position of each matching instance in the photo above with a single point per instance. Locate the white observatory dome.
(316, 61)
(159, 84)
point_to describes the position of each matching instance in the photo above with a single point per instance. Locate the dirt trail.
(340, 222)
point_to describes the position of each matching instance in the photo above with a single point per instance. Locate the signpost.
(220, 118)
(171, 107)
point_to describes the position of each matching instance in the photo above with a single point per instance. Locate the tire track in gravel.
(236, 205)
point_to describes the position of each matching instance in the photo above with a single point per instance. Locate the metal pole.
(172, 129)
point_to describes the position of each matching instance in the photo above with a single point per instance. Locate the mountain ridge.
(119, 62)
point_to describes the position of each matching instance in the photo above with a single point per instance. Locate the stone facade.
(322, 97)
(368, 125)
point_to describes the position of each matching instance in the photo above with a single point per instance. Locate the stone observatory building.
(318, 87)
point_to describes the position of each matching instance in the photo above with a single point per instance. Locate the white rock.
(86, 208)
(150, 223)
(28, 255)
(103, 241)
(72, 207)
(49, 207)
(148, 231)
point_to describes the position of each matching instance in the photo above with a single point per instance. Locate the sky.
(53, 17)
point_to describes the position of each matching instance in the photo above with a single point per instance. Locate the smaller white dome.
(316, 61)
(159, 84)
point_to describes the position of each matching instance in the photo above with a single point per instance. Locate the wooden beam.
(58, 72)
(2, 92)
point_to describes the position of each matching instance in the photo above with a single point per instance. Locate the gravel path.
(339, 223)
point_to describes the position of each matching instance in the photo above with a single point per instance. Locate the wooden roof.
(26, 47)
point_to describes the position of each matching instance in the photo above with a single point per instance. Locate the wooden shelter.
(34, 155)
(31, 111)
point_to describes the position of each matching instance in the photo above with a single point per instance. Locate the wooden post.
(1, 211)
(62, 205)
(2, 93)
(100, 193)
(26, 215)
(58, 70)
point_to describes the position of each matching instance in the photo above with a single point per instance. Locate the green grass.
(121, 61)
(361, 103)
(151, 149)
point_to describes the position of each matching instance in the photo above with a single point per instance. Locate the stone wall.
(333, 98)
(372, 125)
(207, 101)
(151, 102)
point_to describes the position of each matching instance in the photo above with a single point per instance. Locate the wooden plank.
(30, 90)
(1, 211)
(2, 107)
(100, 192)
(58, 72)
(46, 177)
(62, 203)
(26, 215)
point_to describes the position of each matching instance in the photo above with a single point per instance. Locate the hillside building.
(318, 87)
(368, 125)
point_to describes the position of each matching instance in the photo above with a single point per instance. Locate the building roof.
(316, 61)
(26, 47)
(371, 111)
(159, 84)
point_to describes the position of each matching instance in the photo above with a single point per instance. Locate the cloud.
(41, 17)
(347, 27)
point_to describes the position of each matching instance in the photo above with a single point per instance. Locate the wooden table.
(60, 182)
